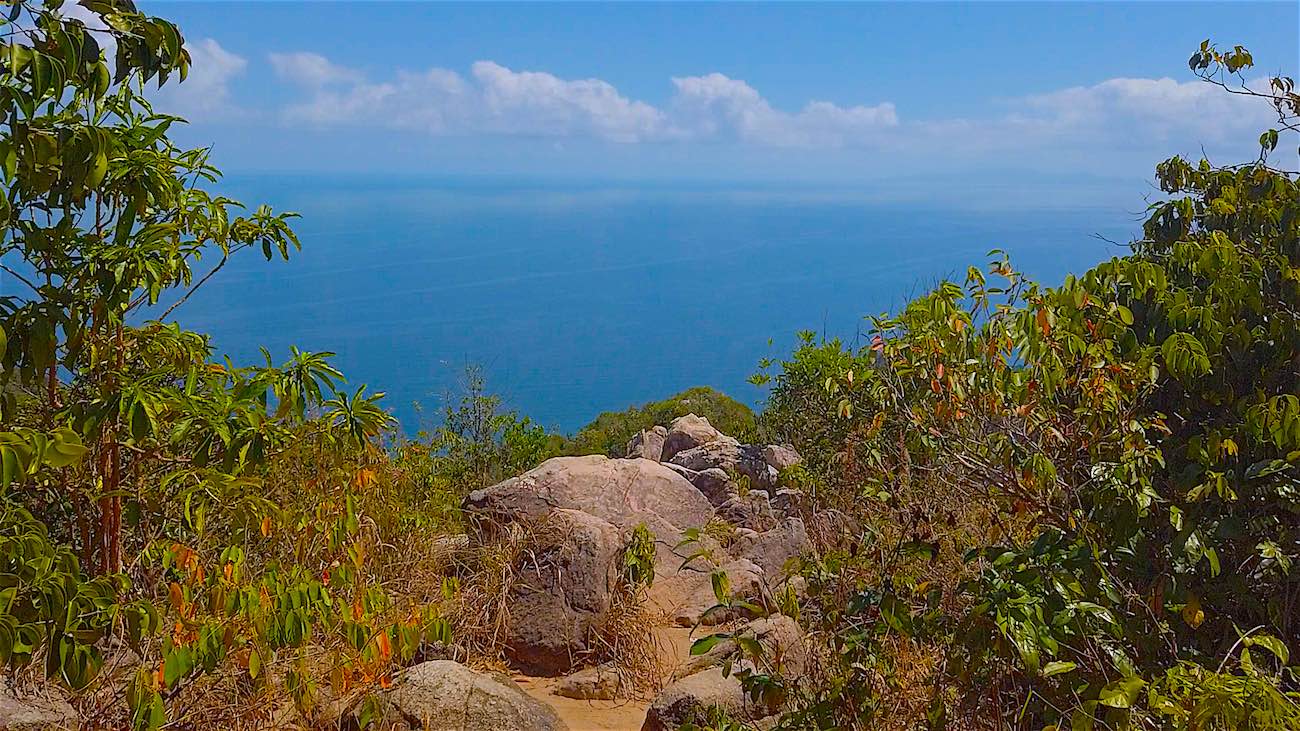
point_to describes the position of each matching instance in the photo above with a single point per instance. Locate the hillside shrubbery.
(1079, 504)
(609, 432)
(1083, 501)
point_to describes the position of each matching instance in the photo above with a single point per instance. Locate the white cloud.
(497, 100)
(206, 89)
(715, 105)
(1088, 123)
(312, 69)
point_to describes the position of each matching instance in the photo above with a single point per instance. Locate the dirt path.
(615, 715)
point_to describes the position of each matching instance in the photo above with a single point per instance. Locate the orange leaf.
(177, 597)
(1043, 323)
(385, 647)
(160, 677)
(266, 526)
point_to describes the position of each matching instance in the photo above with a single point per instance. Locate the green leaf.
(704, 644)
(1057, 667)
(1121, 693)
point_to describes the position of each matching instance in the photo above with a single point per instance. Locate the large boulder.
(773, 549)
(35, 712)
(689, 698)
(688, 599)
(620, 491)
(562, 591)
(731, 457)
(441, 695)
(688, 432)
(750, 509)
(648, 443)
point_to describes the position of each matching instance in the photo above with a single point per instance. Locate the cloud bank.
(1094, 125)
(496, 100)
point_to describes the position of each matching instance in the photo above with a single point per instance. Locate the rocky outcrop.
(442, 695)
(562, 591)
(620, 491)
(731, 457)
(36, 712)
(648, 444)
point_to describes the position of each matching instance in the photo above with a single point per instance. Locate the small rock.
(716, 485)
(788, 501)
(441, 695)
(648, 444)
(593, 684)
(781, 456)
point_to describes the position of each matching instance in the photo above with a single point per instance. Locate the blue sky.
(807, 93)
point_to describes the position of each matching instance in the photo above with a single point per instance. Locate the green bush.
(610, 432)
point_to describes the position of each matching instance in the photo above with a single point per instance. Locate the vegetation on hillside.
(610, 432)
(1080, 504)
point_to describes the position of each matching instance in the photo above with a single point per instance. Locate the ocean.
(582, 298)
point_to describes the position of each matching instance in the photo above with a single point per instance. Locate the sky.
(1012, 95)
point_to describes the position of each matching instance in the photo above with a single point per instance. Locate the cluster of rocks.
(687, 479)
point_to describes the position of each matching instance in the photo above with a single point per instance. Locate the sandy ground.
(615, 715)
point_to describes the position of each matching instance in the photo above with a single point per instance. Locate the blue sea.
(581, 298)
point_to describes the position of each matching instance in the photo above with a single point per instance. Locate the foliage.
(479, 443)
(1080, 492)
(610, 432)
(639, 557)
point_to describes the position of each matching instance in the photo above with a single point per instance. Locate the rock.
(722, 453)
(783, 642)
(593, 684)
(716, 485)
(672, 549)
(781, 638)
(788, 502)
(441, 695)
(772, 549)
(780, 456)
(688, 432)
(620, 491)
(35, 712)
(731, 457)
(831, 527)
(749, 510)
(649, 444)
(687, 597)
(562, 591)
(689, 698)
